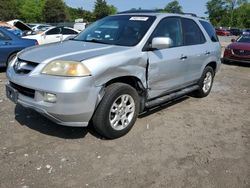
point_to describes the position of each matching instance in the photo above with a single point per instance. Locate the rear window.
(192, 34)
(210, 31)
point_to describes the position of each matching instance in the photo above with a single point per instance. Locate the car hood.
(68, 50)
(240, 46)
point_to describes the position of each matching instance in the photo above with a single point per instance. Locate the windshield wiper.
(95, 41)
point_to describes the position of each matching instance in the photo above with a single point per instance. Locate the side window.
(170, 27)
(192, 34)
(210, 30)
(54, 31)
(66, 31)
(3, 36)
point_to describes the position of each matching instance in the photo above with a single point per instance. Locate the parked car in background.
(222, 32)
(54, 34)
(11, 28)
(21, 25)
(117, 68)
(39, 27)
(235, 31)
(10, 45)
(245, 31)
(238, 50)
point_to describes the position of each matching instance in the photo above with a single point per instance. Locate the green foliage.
(102, 9)
(173, 7)
(231, 13)
(8, 9)
(54, 11)
(31, 11)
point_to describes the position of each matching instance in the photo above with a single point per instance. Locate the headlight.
(11, 63)
(66, 68)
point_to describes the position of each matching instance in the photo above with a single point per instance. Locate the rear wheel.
(205, 83)
(117, 112)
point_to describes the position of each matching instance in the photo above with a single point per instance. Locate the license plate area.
(11, 93)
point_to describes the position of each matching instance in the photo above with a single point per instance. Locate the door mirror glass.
(161, 43)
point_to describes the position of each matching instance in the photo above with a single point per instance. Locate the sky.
(189, 6)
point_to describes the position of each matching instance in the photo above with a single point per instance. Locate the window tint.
(66, 31)
(54, 31)
(210, 31)
(3, 36)
(191, 33)
(170, 27)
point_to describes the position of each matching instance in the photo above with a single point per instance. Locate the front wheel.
(117, 112)
(205, 83)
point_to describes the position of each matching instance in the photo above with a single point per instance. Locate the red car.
(222, 32)
(238, 50)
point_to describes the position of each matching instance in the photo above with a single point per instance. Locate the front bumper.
(235, 59)
(76, 97)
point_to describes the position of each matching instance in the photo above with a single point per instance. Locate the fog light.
(50, 97)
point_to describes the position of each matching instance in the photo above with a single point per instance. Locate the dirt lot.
(191, 143)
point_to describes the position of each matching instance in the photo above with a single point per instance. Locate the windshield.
(244, 38)
(123, 30)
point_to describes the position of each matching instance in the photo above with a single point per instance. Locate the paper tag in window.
(139, 18)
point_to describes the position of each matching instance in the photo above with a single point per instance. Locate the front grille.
(23, 90)
(241, 52)
(24, 67)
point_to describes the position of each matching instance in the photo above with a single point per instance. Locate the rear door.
(6, 47)
(66, 32)
(198, 49)
(53, 35)
(167, 67)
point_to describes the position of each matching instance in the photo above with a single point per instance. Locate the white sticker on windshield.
(139, 18)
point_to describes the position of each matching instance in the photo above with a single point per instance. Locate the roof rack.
(139, 11)
(190, 14)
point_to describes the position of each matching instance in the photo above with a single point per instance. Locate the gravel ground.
(189, 143)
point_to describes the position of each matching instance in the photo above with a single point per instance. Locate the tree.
(233, 13)
(31, 10)
(8, 10)
(54, 11)
(216, 10)
(102, 9)
(173, 7)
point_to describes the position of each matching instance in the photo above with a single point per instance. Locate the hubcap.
(122, 112)
(207, 83)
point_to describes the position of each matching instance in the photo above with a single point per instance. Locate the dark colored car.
(235, 32)
(238, 50)
(11, 44)
(222, 32)
(245, 31)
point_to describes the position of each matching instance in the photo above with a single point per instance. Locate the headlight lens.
(66, 68)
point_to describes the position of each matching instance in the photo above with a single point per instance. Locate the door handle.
(58, 37)
(207, 53)
(7, 43)
(183, 57)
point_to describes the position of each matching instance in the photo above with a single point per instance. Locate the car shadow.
(37, 122)
(2, 69)
(236, 63)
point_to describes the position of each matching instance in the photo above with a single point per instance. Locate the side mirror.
(233, 40)
(44, 35)
(161, 43)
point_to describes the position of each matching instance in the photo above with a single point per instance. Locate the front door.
(167, 67)
(53, 35)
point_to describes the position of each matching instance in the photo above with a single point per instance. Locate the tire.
(11, 57)
(205, 83)
(114, 118)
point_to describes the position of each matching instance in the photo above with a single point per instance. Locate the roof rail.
(190, 14)
(139, 11)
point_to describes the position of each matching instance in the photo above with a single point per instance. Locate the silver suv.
(117, 68)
